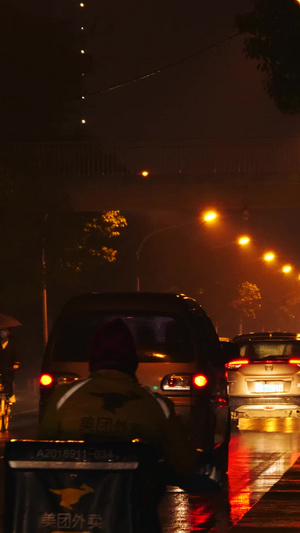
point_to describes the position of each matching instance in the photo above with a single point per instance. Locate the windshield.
(270, 350)
(159, 338)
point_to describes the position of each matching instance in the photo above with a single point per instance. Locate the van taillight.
(183, 382)
(199, 380)
(46, 380)
(236, 363)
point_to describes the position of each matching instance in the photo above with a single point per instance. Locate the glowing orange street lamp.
(286, 269)
(209, 216)
(243, 240)
(145, 173)
(269, 257)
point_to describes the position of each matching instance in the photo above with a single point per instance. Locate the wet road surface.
(260, 452)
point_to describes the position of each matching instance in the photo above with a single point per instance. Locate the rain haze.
(199, 86)
(123, 125)
(168, 71)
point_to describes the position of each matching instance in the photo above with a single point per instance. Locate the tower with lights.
(77, 15)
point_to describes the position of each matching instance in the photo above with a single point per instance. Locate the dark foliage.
(274, 42)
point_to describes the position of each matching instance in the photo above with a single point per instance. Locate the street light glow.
(269, 256)
(210, 216)
(286, 269)
(145, 173)
(243, 240)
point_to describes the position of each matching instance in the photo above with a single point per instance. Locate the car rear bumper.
(262, 407)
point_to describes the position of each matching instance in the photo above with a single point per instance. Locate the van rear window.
(158, 338)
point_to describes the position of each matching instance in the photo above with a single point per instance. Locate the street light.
(269, 257)
(286, 269)
(244, 240)
(208, 217)
(44, 286)
(145, 173)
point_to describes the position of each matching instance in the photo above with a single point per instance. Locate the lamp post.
(208, 217)
(44, 286)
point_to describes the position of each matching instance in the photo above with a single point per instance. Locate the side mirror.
(230, 351)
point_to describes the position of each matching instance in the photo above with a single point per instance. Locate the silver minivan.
(179, 351)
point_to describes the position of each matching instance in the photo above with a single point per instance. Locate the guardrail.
(177, 158)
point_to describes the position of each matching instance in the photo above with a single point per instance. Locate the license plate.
(268, 387)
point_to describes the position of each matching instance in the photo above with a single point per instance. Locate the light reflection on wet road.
(260, 452)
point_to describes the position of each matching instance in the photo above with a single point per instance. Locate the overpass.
(184, 174)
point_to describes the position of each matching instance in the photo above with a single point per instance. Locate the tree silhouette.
(79, 244)
(274, 42)
(248, 302)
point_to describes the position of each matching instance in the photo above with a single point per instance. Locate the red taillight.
(46, 380)
(199, 380)
(294, 362)
(236, 363)
(182, 382)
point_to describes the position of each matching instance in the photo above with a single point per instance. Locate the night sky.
(211, 89)
(216, 93)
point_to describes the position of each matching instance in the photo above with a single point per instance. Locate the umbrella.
(7, 321)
